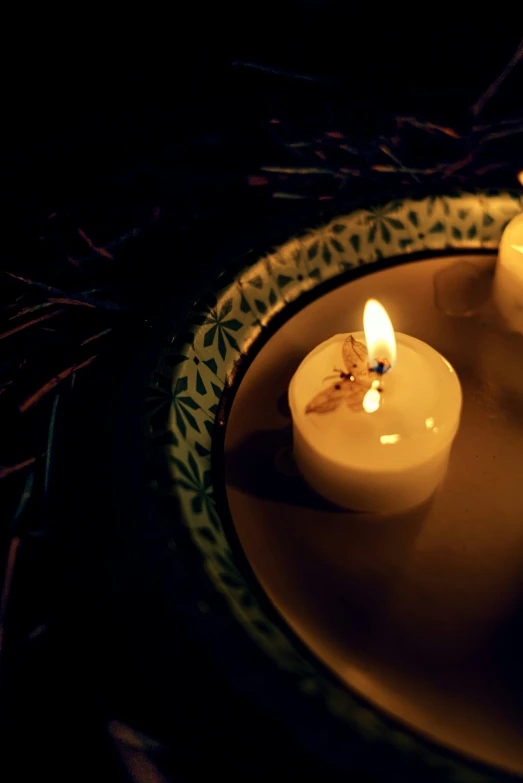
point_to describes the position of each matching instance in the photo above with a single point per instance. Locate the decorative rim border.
(193, 388)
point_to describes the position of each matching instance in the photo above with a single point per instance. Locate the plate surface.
(418, 612)
(189, 401)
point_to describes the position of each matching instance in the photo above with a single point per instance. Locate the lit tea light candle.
(508, 280)
(374, 417)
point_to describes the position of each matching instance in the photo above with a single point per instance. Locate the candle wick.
(380, 366)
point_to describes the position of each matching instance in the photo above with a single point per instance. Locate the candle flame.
(379, 334)
(519, 248)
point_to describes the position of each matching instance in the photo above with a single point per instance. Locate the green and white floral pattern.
(193, 371)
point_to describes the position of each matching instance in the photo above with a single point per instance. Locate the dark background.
(96, 624)
(82, 102)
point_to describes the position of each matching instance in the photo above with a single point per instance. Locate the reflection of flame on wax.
(385, 439)
(371, 401)
(519, 248)
(429, 424)
(379, 334)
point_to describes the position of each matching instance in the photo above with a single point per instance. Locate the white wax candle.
(386, 460)
(508, 280)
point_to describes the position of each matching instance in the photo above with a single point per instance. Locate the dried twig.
(280, 72)
(96, 336)
(457, 165)
(6, 591)
(298, 170)
(431, 127)
(61, 296)
(35, 284)
(70, 301)
(50, 385)
(32, 309)
(31, 323)
(386, 151)
(99, 250)
(492, 89)
(7, 470)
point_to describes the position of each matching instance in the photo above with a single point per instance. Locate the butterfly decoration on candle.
(353, 383)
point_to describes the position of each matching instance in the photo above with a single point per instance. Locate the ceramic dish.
(216, 361)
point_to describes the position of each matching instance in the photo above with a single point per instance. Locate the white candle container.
(388, 460)
(508, 280)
